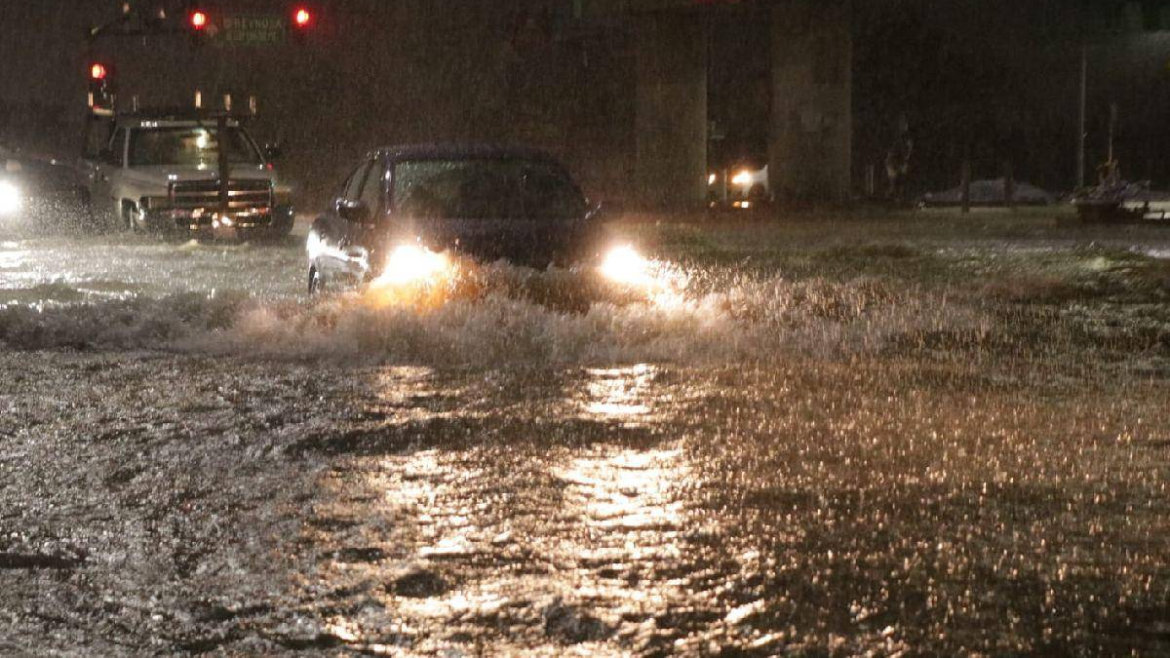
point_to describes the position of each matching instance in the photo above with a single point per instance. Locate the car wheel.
(316, 283)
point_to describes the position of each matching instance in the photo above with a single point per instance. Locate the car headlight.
(625, 265)
(410, 263)
(11, 199)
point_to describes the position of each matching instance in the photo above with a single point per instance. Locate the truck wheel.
(88, 218)
(104, 218)
(128, 222)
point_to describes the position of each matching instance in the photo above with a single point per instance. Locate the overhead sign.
(252, 30)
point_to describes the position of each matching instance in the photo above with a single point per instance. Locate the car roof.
(462, 151)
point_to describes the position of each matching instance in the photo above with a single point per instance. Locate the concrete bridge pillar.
(671, 110)
(811, 140)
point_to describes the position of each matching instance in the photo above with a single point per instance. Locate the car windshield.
(503, 188)
(189, 146)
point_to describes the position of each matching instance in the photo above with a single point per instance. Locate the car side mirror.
(353, 211)
(273, 151)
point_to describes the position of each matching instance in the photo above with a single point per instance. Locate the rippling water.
(954, 446)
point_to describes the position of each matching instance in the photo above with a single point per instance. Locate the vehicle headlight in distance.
(624, 264)
(10, 198)
(411, 263)
(743, 179)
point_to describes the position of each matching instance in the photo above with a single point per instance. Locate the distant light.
(710, 179)
(98, 71)
(303, 17)
(198, 19)
(743, 179)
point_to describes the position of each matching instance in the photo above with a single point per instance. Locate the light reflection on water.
(619, 393)
(574, 561)
(629, 490)
(402, 385)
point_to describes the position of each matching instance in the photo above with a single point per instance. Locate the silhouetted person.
(1109, 173)
(898, 166)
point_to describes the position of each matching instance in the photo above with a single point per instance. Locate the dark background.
(984, 80)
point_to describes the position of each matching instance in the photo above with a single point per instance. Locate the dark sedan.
(484, 202)
(38, 194)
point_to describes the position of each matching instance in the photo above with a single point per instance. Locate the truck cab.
(163, 171)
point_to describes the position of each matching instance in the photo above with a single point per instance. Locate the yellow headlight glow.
(413, 276)
(659, 283)
(413, 264)
(625, 265)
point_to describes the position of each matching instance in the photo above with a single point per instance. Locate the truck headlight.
(11, 200)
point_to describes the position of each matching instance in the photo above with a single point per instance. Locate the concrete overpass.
(810, 132)
(633, 121)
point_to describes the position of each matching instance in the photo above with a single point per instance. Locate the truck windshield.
(485, 189)
(189, 146)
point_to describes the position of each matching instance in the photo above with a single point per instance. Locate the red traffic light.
(198, 20)
(98, 71)
(302, 18)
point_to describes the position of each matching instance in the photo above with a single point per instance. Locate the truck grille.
(247, 197)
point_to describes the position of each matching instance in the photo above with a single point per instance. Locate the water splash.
(503, 314)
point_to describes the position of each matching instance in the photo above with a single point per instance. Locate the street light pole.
(1083, 112)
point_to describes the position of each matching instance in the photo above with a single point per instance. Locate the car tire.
(316, 283)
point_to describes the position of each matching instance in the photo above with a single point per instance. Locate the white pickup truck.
(161, 171)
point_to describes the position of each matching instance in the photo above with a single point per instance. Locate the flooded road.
(852, 437)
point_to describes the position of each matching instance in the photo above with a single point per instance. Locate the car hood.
(163, 176)
(534, 242)
(39, 176)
